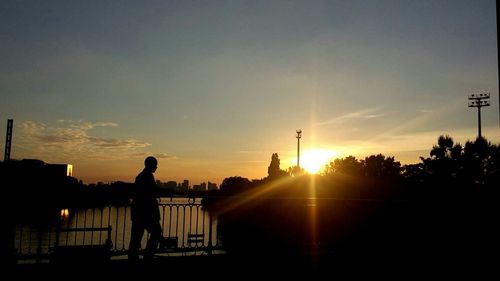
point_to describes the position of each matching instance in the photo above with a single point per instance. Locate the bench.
(78, 254)
(195, 238)
(168, 243)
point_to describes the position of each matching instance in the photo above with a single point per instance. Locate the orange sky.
(214, 90)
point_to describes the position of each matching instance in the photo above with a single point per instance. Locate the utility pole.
(479, 100)
(299, 135)
(8, 140)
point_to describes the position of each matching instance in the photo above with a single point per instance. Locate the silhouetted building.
(32, 181)
(59, 169)
(185, 185)
(200, 187)
(211, 186)
(37, 169)
(171, 185)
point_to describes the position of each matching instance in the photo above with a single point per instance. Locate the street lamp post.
(479, 100)
(299, 135)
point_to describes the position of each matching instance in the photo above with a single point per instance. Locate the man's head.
(151, 164)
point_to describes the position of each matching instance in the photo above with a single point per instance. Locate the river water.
(179, 217)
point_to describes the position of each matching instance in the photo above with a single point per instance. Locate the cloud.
(85, 125)
(251, 151)
(368, 113)
(105, 124)
(426, 111)
(165, 156)
(69, 139)
(117, 143)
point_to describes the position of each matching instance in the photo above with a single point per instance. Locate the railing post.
(39, 247)
(209, 233)
(58, 233)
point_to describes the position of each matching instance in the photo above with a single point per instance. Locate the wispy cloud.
(69, 139)
(364, 114)
(80, 124)
(251, 151)
(165, 156)
(144, 154)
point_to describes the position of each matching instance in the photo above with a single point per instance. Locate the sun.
(313, 160)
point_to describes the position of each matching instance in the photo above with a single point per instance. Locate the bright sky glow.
(214, 88)
(313, 160)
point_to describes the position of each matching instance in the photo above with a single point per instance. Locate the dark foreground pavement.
(228, 267)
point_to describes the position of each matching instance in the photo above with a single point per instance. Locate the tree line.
(450, 170)
(440, 210)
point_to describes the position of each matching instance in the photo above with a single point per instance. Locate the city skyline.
(214, 89)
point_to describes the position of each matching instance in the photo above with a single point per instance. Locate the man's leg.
(135, 240)
(154, 229)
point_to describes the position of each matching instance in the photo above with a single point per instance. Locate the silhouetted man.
(145, 212)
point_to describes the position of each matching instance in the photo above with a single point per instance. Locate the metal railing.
(188, 228)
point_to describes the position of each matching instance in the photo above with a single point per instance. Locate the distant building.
(200, 187)
(196, 187)
(171, 185)
(211, 186)
(59, 169)
(35, 167)
(185, 185)
(34, 171)
(204, 186)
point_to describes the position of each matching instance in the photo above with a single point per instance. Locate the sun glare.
(313, 160)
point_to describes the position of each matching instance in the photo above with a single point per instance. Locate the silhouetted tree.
(445, 149)
(414, 172)
(295, 171)
(445, 160)
(234, 184)
(380, 167)
(274, 170)
(481, 162)
(344, 166)
(456, 170)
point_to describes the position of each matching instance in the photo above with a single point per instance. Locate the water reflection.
(64, 214)
(179, 217)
